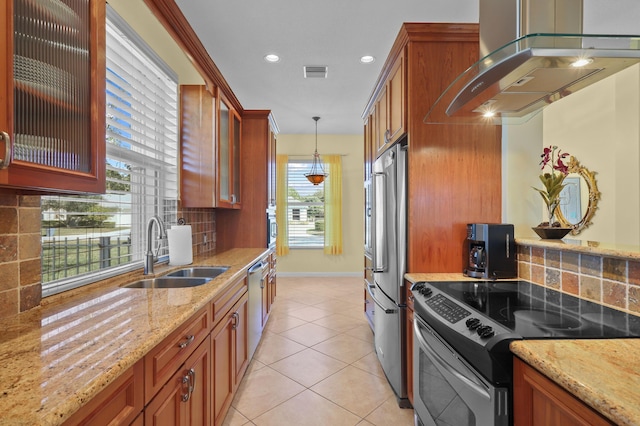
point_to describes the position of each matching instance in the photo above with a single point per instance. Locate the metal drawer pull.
(192, 380)
(185, 381)
(187, 342)
(4, 162)
(236, 320)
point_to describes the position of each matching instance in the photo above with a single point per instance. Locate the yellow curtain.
(333, 205)
(282, 240)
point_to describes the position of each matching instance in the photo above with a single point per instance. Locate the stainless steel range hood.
(516, 81)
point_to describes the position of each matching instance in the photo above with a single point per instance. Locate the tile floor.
(315, 364)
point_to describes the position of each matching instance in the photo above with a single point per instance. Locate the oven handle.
(385, 310)
(444, 364)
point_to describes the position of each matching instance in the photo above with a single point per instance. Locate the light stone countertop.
(603, 373)
(56, 357)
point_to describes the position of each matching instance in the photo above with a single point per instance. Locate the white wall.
(600, 126)
(314, 261)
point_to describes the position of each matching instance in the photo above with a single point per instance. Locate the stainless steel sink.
(169, 282)
(199, 271)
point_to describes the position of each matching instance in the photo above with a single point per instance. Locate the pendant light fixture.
(317, 174)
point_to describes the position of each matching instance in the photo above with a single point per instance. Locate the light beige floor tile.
(308, 367)
(345, 348)
(234, 418)
(278, 324)
(307, 409)
(370, 364)
(389, 413)
(309, 334)
(356, 390)
(309, 313)
(263, 390)
(254, 365)
(362, 332)
(274, 347)
(337, 322)
(365, 423)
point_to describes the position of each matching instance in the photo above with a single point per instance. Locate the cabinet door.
(539, 401)
(396, 100)
(222, 352)
(184, 399)
(241, 346)
(52, 92)
(382, 132)
(197, 147)
(228, 156)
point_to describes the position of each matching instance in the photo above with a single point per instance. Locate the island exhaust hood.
(518, 79)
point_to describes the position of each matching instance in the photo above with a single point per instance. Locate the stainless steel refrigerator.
(389, 265)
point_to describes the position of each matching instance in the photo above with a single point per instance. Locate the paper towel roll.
(180, 249)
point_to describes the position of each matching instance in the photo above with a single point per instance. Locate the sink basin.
(169, 282)
(199, 271)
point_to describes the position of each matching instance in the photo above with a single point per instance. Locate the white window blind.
(305, 214)
(106, 233)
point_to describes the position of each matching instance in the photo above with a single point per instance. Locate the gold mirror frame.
(594, 195)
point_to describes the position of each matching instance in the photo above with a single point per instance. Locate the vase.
(551, 232)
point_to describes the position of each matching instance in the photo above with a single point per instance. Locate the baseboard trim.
(320, 274)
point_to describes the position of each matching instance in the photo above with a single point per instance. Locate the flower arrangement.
(553, 181)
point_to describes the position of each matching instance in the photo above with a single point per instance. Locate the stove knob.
(418, 286)
(485, 331)
(428, 292)
(472, 323)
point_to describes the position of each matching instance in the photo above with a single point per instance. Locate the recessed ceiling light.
(367, 59)
(581, 62)
(272, 58)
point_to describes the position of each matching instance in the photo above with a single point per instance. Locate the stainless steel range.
(462, 331)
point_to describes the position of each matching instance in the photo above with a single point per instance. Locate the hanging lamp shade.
(317, 174)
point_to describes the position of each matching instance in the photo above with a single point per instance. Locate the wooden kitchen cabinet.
(197, 146)
(247, 227)
(539, 401)
(184, 399)
(230, 357)
(52, 96)
(229, 154)
(396, 100)
(119, 403)
(165, 359)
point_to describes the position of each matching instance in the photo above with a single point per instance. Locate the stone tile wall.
(20, 248)
(607, 280)
(20, 283)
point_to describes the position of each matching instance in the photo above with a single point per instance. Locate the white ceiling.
(336, 33)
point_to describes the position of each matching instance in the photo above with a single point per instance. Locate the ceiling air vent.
(315, 71)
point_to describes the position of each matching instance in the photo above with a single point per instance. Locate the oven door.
(446, 390)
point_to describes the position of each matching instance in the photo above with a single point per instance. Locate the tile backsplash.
(612, 281)
(20, 283)
(20, 248)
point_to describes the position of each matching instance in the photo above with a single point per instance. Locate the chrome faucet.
(150, 257)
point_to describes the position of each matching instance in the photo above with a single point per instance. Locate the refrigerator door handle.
(384, 309)
(379, 228)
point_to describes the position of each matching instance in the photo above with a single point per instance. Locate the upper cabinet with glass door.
(52, 95)
(229, 157)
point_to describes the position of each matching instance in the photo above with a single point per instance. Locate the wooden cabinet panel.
(53, 136)
(119, 403)
(197, 147)
(396, 100)
(184, 399)
(223, 370)
(240, 343)
(382, 133)
(539, 401)
(165, 359)
(223, 303)
(229, 140)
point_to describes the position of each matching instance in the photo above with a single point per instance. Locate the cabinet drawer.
(225, 301)
(118, 403)
(165, 359)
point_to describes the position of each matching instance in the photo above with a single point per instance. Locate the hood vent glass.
(515, 82)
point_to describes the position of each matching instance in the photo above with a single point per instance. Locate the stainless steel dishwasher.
(254, 305)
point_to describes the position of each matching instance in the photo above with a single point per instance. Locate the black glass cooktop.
(533, 311)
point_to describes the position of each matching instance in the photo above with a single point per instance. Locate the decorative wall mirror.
(579, 198)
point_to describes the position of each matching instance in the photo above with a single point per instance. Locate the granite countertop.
(56, 357)
(604, 374)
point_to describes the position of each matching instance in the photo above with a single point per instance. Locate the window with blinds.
(305, 201)
(86, 238)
